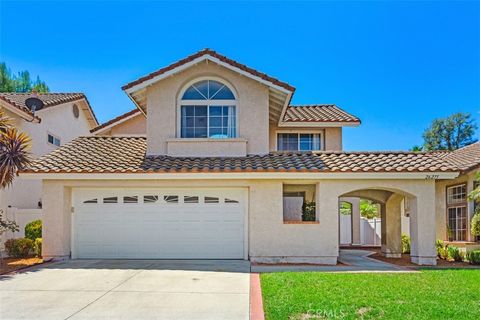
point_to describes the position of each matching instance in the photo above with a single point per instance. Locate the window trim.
(208, 103)
(456, 205)
(321, 133)
(54, 137)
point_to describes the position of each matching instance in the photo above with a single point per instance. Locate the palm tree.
(14, 151)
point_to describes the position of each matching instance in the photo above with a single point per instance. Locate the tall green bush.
(33, 230)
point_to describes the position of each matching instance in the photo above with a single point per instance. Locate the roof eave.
(240, 175)
(318, 124)
(27, 116)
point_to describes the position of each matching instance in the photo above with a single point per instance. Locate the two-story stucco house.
(64, 117)
(217, 164)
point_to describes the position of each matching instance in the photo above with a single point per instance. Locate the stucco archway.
(392, 194)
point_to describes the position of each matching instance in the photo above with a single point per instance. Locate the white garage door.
(159, 223)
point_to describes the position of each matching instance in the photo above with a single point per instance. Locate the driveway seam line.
(107, 292)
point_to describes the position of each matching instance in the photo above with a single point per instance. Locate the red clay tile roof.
(112, 121)
(49, 99)
(466, 158)
(215, 55)
(102, 154)
(318, 113)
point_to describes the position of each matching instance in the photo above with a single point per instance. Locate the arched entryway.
(392, 207)
(391, 193)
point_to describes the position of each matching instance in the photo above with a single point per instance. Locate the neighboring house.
(228, 169)
(64, 117)
(454, 212)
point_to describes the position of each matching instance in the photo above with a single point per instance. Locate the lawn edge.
(256, 301)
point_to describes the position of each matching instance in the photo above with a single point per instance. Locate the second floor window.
(208, 110)
(298, 142)
(53, 140)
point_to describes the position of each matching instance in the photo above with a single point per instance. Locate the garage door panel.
(159, 225)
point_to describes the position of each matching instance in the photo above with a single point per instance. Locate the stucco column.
(56, 221)
(328, 216)
(356, 240)
(422, 227)
(355, 230)
(392, 227)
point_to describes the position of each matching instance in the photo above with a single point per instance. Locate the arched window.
(208, 110)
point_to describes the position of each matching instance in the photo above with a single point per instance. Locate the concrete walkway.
(355, 261)
(128, 289)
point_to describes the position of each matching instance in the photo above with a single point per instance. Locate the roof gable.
(206, 54)
(280, 93)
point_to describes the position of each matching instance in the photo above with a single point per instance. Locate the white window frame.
(456, 205)
(321, 134)
(206, 103)
(54, 137)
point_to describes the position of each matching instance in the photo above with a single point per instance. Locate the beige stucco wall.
(331, 140)
(57, 120)
(441, 202)
(163, 109)
(236, 147)
(270, 239)
(135, 125)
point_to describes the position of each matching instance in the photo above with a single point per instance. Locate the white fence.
(370, 231)
(21, 217)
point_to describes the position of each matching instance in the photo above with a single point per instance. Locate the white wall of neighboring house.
(58, 120)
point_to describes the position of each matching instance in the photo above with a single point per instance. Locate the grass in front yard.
(429, 294)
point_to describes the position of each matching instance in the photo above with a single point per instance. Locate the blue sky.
(396, 65)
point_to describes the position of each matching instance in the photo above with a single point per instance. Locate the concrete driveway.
(128, 289)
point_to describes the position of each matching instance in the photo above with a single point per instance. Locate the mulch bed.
(404, 261)
(14, 264)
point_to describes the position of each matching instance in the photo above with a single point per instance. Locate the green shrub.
(442, 249)
(308, 213)
(475, 225)
(405, 243)
(455, 254)
(38, 247)
(19, 248)
(33, 230)
(473, 257)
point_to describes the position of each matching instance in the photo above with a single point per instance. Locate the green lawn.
(429, 294)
